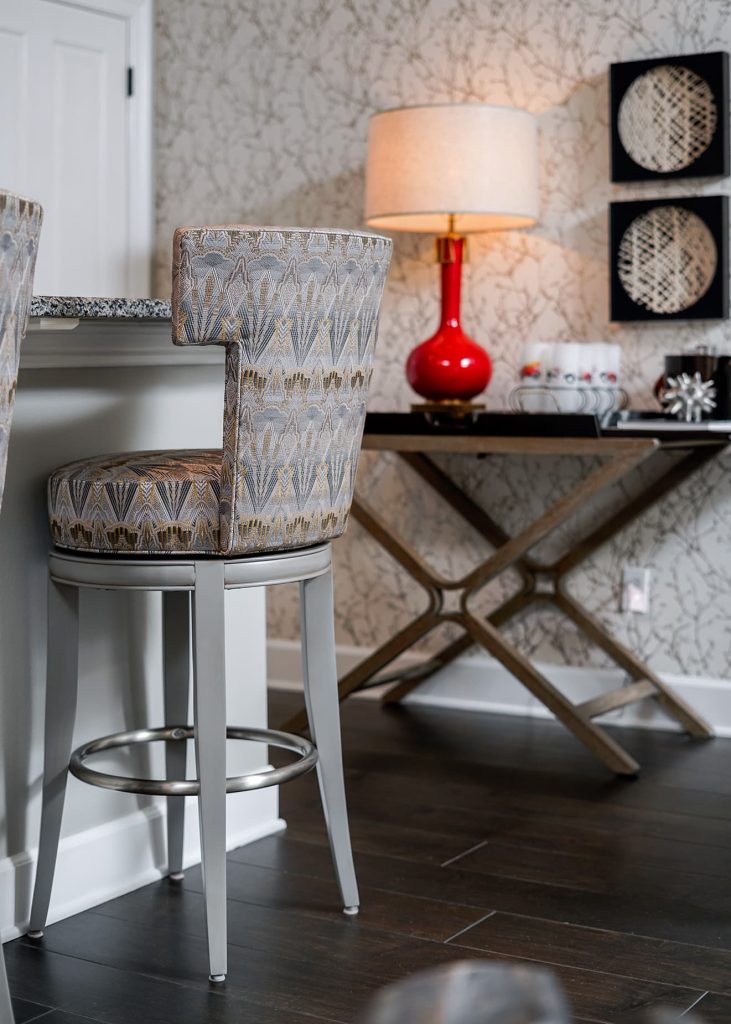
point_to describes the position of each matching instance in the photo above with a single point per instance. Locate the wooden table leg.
(385, 654)
(647, 683)
(435, 664)
(638, 670)
(669, 481)
(509, 553)
(606, 749)
(478, 518)
(407, 556)
(512, 552)
(498, 618)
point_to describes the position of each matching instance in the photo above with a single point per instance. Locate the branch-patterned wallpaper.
(262, 111)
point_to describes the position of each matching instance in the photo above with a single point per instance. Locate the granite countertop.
(83, 308)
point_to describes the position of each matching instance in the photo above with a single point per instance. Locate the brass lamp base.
(454, 408)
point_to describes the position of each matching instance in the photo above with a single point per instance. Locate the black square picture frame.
(713, 161)
(713, 303)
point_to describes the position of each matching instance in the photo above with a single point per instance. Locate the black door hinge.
(130, 81)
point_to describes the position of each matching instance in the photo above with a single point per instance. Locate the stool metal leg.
(209, 675)
(176, 671)
(6, 1007)
(323, 711)
(61, 692)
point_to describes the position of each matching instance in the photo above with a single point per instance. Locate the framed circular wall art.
(669, 259)
(669, 117)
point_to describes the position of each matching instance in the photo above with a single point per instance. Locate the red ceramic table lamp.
(451, 169)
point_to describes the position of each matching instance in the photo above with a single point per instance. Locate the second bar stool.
(298, 313)
(20, 228)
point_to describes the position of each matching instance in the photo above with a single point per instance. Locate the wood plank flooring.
(475, 836)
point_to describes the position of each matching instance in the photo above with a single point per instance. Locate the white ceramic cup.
(586, 365)
(535, 363)
(614, 366)
(606, 374)
(564, 378)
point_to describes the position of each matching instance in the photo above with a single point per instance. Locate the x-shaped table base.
(449, 600)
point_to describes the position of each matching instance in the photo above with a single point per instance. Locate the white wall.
(62, 414)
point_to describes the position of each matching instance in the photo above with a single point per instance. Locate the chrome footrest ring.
(180, 787)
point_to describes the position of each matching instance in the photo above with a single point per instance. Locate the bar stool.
(20, 228)
(298, 313)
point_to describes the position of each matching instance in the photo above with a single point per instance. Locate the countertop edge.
(91, 308)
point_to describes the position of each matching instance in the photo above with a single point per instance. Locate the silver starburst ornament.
(688, 397)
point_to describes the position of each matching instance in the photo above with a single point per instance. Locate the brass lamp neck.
(447, 251)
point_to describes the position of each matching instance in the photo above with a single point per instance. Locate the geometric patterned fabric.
(143, 502)
(20, 227)
(298, 313)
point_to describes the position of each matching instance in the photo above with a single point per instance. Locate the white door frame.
(140, 184)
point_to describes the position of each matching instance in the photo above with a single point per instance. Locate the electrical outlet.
(635, 590)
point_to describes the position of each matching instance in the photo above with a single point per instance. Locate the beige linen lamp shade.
(474, 161)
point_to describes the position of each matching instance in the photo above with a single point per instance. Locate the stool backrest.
(20, 227)
(298, 313)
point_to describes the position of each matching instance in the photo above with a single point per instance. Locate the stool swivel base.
(193, 603)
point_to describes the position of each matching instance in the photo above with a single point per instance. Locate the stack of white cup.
(567, 367)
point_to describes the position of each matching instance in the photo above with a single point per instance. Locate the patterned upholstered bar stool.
(298, 313)
(20, 227)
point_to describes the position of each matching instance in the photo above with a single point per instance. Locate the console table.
(414, 441)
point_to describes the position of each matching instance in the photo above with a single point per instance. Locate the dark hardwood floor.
(475, 836)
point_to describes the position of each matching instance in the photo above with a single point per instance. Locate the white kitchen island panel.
(111, 842)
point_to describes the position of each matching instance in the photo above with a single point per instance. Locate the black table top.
(571, 426)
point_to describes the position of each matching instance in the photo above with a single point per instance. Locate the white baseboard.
(112, 859)
(477, 682)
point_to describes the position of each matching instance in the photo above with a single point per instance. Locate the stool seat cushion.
(152, 503)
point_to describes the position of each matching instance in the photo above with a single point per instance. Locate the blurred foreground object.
(478, 992)
(472, 992)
